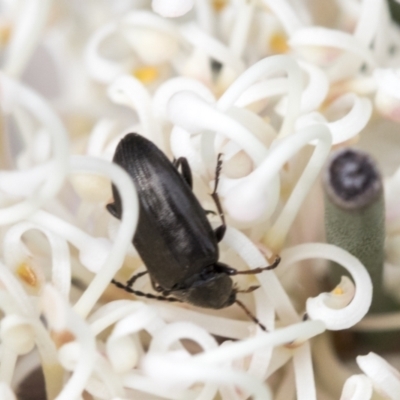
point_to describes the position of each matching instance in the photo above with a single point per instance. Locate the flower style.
(259, 81)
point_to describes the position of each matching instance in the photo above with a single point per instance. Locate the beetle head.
(216, 292)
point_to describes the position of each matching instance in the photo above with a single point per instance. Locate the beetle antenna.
(142, 294)
(250, 315)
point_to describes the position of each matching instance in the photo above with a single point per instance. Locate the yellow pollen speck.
(278, 43)
(337, 291)
(146, 74)
(27, 274)
(219, 5)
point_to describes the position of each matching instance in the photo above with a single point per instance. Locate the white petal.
(122, 354)
(313, 94)
(357, 387)
(189, 111)
(69, 355)
(388, 81)
(330, 38)
(130, 92)
(100, 68)
(152, 47)
(94, 254)
(5, 392)
(212, 47)
(17, 333)
(172, 8)
(173, 86)
(385, 378)
(247, 200)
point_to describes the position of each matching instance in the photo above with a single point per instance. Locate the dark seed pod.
(355, 214)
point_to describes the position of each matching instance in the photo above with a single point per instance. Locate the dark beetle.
(174, 237)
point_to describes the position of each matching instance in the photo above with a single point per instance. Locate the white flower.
(261, 82)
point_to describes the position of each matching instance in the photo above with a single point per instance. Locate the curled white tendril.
(54, 307)
(93, 252)
(327, 38)
(15, 301)
(349, 125)
(348, 316)
(100, 68)
(130, 206)
(130, 92)
(200, 366)
(26, 36)
(15, 253)
(246, 200)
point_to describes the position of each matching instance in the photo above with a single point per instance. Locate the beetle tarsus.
(251, 316)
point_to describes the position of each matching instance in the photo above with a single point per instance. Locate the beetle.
(174, 237)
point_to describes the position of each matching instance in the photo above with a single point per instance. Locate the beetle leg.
(210, 212)
(142, 294)
(261, 269)
(112, 210)
(250, 315)
(186, 171)
(220, 231)
(155, 286)
(232, 271)
(248, 290)
(158, 288)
